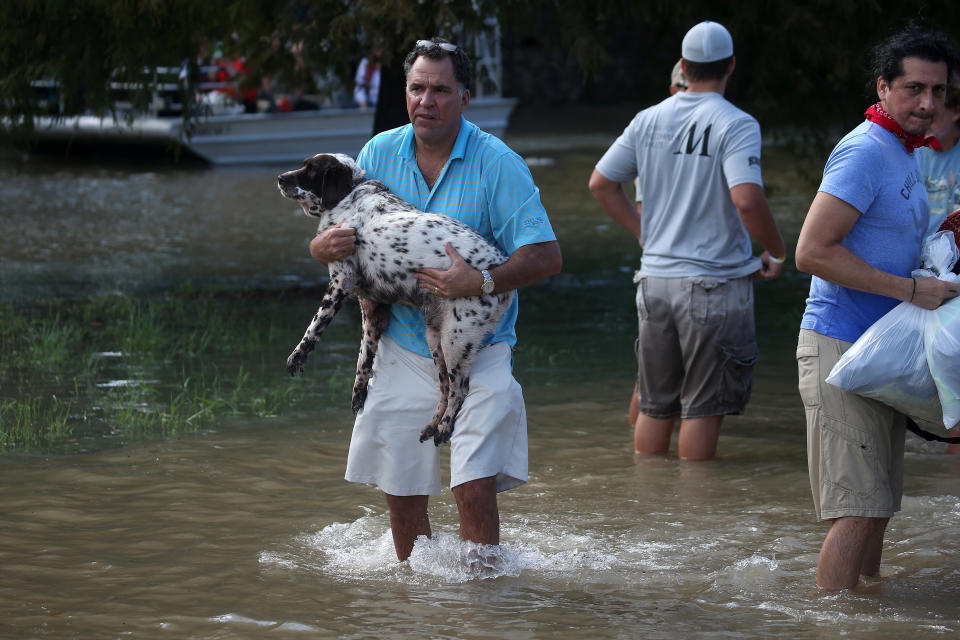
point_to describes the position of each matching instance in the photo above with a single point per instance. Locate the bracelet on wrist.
(774, 258)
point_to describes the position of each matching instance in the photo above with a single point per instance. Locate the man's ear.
(882, 88)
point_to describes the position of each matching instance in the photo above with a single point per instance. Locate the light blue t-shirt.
(941, 174)
(874, 173)
(484, 185)
(687, 153)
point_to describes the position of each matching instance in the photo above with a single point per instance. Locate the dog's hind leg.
(329, 306)
(459, 355)
(436, 352)
(375, 318)
(462, 332)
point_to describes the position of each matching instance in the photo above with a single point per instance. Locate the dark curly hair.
(913, 42)
(462, 69)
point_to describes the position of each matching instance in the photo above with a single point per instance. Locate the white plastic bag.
(910, 358)
(889, 363)
(942, 341)
(937, 257)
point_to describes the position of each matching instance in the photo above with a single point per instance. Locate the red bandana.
(877, 115)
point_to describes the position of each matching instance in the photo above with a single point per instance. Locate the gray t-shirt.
(686, 153)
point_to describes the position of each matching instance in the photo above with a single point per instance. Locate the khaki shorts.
(489, 437)
(854, 444)
(696, 346)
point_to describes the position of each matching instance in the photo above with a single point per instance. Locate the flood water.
(249, 530)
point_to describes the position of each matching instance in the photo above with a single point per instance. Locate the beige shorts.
(696, 346)
(489, 437)
(854, 444)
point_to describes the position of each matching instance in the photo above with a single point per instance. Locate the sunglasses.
(446, 46)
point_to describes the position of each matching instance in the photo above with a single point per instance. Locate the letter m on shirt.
(693, 141)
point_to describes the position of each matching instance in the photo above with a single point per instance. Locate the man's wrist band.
(774, 258)
(912, 294)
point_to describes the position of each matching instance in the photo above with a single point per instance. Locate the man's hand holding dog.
(459, 281)
(334, 243)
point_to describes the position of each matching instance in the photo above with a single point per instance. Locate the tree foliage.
(799, 62)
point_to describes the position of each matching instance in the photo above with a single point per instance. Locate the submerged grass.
(139, 368)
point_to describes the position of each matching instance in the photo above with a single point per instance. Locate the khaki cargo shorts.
(696, 346)
(854, 444)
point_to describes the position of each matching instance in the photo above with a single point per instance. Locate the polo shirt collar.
(459, 146)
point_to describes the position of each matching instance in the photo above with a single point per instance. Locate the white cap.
(707, 42)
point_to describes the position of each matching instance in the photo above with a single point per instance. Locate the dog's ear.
(337, 183)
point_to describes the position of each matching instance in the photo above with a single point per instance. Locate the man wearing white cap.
(696, 158)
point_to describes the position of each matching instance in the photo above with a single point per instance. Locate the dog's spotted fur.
(393, 240)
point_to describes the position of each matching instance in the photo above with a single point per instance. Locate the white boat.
(254, 138)
(227, 136)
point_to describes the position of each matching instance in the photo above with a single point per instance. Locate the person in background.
(941, 174)
(941, 168)
(678, 82)
(860, 240)
(696, 158)
(441, 163)
(366, 86)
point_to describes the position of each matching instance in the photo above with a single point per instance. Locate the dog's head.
(322, 182)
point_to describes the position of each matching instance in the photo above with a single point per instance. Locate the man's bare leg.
(652, 435)
(633, 412)
(408, 521)
(698, 438)
(479, 516)
(852, 548)
(953, 433)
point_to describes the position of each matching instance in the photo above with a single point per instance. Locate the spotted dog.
(393, 240)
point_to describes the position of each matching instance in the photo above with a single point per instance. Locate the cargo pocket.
(849, 458)
(808, 374)
(707, 300)
(738, 375)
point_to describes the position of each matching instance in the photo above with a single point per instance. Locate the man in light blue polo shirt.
(441, 163)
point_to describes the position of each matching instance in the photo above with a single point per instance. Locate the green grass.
(141, 368)
(33, 422)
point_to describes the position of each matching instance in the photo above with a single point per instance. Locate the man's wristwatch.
(488, 284)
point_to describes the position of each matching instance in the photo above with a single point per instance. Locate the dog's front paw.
(429, 431)
(444, 433)
(296, 360)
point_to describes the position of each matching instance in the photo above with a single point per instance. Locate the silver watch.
(488, 284)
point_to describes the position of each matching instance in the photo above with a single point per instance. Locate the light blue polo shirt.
(484, 185)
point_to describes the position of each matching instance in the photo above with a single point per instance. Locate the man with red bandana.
(861, 239)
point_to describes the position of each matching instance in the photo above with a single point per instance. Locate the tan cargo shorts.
(854, 444)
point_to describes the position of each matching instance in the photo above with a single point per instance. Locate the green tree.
(801, 64)
(85, 47)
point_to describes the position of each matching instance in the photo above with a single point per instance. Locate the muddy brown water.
(248, 530)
